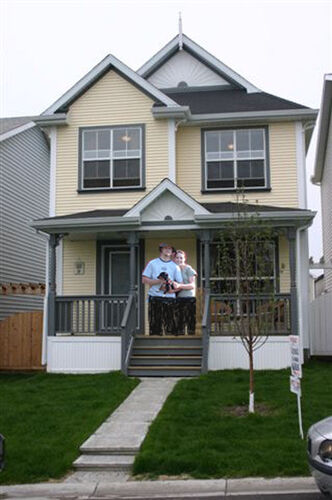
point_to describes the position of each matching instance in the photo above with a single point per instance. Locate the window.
(112, 158)
(235, 159)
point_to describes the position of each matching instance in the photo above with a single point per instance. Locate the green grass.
(193, 435)
(46, 417)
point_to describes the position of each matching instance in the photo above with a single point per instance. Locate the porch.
(97, 311)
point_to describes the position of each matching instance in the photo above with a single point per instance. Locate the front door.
(115, 282)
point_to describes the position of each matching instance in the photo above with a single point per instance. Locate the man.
(162, 297)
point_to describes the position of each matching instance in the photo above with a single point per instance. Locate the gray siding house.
(24, 194)
(323, 176)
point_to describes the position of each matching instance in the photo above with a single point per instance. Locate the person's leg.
(191, 315)
(154, 316)
(168, 316)
(180, 316)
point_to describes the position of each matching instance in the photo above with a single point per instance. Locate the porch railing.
(128, 328)
(206, 328)
(272, 313)
(90, 315)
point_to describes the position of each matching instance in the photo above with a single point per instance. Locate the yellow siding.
(284, 265)
(282, 146)
(85, 251)
(111, 101)
(151, 252)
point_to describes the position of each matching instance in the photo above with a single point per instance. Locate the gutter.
(49, 120)
(90, 223)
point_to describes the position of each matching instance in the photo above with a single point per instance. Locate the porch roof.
(217, 215)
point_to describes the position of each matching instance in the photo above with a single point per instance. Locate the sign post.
(295, 378)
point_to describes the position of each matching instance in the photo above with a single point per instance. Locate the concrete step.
(104, 462)
(164, 371)
(167, 350)
(107, 450)
(150, 360)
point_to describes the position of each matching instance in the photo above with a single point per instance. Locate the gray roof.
(7, 124)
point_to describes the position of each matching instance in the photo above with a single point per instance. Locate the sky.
(282, 47)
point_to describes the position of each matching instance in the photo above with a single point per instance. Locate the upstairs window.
(112, 158)
(235, 159)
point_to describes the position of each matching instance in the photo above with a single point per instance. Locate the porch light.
(79, 267)
(2, 452)
(230, 146)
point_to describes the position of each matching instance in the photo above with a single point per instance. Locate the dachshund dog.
(168, 285)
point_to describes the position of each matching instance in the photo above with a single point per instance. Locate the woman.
(186, 296)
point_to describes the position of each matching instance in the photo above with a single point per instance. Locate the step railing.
(90, 314)
(128, 331)
(270, 314)
(206, 327)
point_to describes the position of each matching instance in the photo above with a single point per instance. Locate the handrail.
(206, 332)
(128, 330)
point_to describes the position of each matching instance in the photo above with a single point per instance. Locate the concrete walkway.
(109, 453)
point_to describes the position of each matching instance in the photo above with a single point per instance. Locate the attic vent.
(182, 84)
(168, 217)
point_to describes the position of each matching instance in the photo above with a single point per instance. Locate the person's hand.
(176, 285)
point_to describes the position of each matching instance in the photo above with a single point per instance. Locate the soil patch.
(262, 409)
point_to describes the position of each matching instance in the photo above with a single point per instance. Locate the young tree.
(245, 264)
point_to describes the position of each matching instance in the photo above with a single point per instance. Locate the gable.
(185, 70)
(167, 207)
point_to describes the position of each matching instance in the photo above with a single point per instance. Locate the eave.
(323, 130)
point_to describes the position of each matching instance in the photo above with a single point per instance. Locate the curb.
(159, 490)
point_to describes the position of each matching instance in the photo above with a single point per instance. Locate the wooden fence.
(321, 325)
(21, 341)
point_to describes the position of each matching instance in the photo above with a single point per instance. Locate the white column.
(52, 171)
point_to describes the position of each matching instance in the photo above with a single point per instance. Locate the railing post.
(206, 237)
(52, 244)
(133, 241)
(291, 236)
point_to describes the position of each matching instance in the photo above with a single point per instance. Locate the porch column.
(206, 237)
(133, 242)
(291, 236)
(52, 244)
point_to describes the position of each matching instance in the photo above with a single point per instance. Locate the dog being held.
(168, 285)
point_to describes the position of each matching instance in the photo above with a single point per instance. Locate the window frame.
(81, 188)
(266, 187)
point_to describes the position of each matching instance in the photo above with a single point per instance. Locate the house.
(323, 176)
(321, 307)
(24, 187)
(158, 155)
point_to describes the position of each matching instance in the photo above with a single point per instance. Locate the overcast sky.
(282, 47)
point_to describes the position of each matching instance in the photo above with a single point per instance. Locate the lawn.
(46, 417)
(196, 434)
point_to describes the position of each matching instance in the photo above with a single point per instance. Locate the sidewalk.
(212, 488)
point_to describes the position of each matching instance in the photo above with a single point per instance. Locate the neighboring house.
(158, 155)
(24, 187)
(323, 175)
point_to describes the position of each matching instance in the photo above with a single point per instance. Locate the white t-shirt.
(154, 268)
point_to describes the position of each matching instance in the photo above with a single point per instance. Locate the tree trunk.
(251, 379)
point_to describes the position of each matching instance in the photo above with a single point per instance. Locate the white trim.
(166, 184)
(302, 278)
(171, 151)
(300, 164)
(93, 74)
(53, 142)
(323, 129)
(17, 130)
(217, 65)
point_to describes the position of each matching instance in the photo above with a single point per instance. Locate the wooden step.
(167, 350)
(164, 371)
(165, 360)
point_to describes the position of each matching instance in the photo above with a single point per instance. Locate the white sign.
(296, 367)
(295, 385)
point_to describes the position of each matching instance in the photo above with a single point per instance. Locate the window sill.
(245, 190)
(107, 190)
